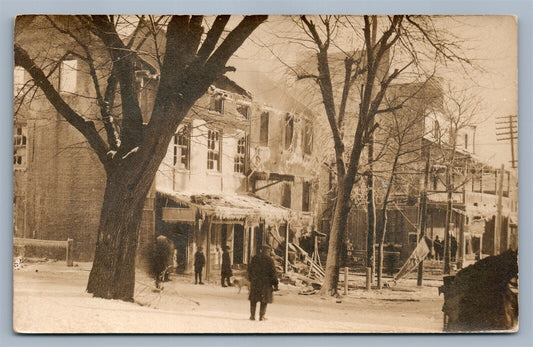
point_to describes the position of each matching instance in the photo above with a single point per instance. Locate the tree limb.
(232, 42)
(123, 62)
(212, 37)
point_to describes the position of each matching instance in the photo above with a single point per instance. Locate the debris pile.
(303, 270)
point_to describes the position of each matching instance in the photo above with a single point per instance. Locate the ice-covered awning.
(237, 207)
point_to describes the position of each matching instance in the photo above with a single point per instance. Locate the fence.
(37, 243)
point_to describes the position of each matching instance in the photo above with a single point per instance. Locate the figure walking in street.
(199, 262)
(437, 247)
(226, 272)
(263, 281)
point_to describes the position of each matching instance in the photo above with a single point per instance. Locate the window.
(19, 146)
(240, 157)
(435, 180)
(182, 147)
(263, 132)
(18, 79)
(217, 103)
(244, 110)
(213, 150)
(466, 141)
(307, 137)
(289, 130)
(286, 195)
(306, 196)
(67, 76)
(436, 129)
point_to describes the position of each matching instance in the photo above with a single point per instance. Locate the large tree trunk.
(113, 273)
(336, 238)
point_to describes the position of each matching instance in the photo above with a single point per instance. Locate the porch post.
(208, 250)
(286, 263)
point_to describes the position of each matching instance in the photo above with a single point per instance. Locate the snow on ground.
(50, 298)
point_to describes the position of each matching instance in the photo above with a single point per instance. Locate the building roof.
(237, 207)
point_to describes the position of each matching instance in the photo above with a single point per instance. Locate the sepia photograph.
(265, 174)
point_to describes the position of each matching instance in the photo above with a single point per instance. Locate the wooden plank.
(19, 241)
(172, 214)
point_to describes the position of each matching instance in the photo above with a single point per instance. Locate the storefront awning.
(238, 207)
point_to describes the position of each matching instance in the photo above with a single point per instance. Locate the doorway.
(238, 244)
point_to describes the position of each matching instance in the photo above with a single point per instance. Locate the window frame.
(183, 132)
(214, 151)
(239, 160)
(20, 143)
(66, 73)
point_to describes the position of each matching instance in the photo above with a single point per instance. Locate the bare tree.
(186, 64)
(400, 139)
(460, 112)
(389, 47)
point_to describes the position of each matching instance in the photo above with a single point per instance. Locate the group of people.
(438, 248)
(261, 274)
(226, 272)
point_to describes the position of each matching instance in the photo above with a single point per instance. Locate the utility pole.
(423, 214)
(371, 204)
(498, 220)
(449, 212)
(509, 126)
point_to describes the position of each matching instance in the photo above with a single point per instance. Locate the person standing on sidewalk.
(263, 281)
(199, 262)
(226, 272)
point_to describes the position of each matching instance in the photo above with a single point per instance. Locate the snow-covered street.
(50, 298)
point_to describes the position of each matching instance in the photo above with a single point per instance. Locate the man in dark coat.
(199, 262)
(263, 281)
(453, 248)
(437, 247)
(226, 272)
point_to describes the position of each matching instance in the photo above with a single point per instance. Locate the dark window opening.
(286, 195)
(263, 132)
(289, 130)
(307, 138)
(436, 129)
(217, 103)
(244, 110)
(306, 196)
